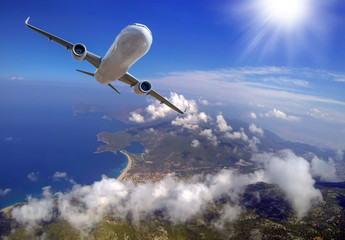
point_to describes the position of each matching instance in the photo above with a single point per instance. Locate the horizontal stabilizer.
(87, 73)
(113, 88)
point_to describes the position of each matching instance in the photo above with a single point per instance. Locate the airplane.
(133, 42)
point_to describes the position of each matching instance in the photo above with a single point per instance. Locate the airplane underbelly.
(129, 46)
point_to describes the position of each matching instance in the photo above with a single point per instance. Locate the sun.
(277, 27)
(287, 13)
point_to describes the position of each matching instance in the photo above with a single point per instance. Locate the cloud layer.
(176, 200)
(179, 201)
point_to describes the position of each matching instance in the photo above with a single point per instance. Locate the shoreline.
(128, 167)
(120, 178)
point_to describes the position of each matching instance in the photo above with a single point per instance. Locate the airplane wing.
(90, 57)
(132, 81)
(96, 61)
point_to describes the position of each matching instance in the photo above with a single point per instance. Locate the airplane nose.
(142, 27)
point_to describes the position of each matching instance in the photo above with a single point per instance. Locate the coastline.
(120, 178)
(129, 166)
(7, 210)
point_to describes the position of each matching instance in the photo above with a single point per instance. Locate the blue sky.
(187, 35)
(240, 46)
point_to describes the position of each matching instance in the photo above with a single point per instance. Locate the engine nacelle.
(79, 51)
(143, 87)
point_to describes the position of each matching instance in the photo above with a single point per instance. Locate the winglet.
(27, 21)
(185, 110)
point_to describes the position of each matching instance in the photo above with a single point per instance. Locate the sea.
(42, 135)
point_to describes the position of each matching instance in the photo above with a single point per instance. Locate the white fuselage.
(132, 43)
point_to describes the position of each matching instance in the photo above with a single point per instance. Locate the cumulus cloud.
(222, 125)
(4, 192)
(136, 117)
(156, 110)
(36, 211)
(252, 115)
(190, 121)
(195, 143)
(256, 130)
(210, 136)
(237, 135)
(292, 174)
(325, 170)
(178, 200)
(279, 114)
(33, 176)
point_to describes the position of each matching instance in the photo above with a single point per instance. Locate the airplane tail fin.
(87, 73)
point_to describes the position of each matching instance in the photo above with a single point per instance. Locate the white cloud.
(210, 136)
(4, 192)
(237, 135)
(279, 114)
(204, 102)
(59, 175)
(252, 115)
(325, 170)
(256, 130)
(292, 174)
(249, 84)
(33, 176)
(316, 113)
(253, 143)
(195, 143)
(190, 121)
(63, 176)
(222, 125)
(287, 81)
(192, 118)
(157, 110)
(180, 200)
(36, 210)
(136, 117)
(177, 200)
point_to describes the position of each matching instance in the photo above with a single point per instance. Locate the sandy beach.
(129, 165)
(7, 210)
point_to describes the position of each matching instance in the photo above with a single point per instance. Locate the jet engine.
(79, 52)
(143, 87)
